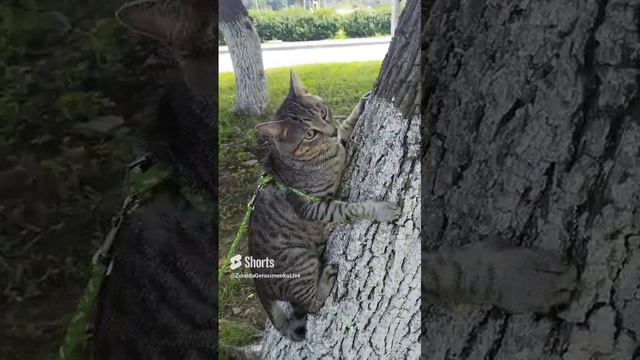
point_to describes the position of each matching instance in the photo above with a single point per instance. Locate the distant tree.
(246, 55)
(395, 14)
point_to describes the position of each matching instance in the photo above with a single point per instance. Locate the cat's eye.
(310, 135)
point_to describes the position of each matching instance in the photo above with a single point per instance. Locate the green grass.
(341, 86)
(234, 334)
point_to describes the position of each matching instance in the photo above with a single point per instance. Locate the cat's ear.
(148, 18)
(273, 129)
(295, 86)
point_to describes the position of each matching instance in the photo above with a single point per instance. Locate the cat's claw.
(560, 285)
(386, 211)
(331, 271)
(549, 282)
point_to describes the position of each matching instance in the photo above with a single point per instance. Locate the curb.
(315, 44)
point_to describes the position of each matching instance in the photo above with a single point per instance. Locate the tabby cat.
(307, 154)
(160, 299)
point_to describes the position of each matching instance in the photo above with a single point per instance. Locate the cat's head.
(188, 27)
(303, 126)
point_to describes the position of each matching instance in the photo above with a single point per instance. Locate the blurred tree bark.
(532, 133)
(246, 55)
(374, 310)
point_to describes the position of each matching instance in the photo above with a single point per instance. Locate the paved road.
(314, 52)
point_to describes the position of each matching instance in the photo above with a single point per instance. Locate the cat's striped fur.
(308, 154)
(160, 300)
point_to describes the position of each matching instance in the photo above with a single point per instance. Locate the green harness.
(142, 178)
(263, 181)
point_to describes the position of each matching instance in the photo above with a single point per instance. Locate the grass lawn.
(341, 86)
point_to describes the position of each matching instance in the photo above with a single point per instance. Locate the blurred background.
(74, 84)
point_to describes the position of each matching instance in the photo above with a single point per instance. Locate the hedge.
(299, 24)
(367, 23)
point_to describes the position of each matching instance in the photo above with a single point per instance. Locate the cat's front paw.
(536, 281)
(385, 211)
(363, 102)
(558, 283)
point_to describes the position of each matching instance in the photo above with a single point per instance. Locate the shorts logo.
(249, 262)
(236, 262)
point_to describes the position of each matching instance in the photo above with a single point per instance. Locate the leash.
(140, 187)
(101, 263)
(141, 178)
(263, 181)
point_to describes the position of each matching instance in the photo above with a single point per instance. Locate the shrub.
(366, 23)
(382, 19)
(299, 24)
(268, 23)
(296, 24)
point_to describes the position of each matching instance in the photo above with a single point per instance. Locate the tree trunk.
(533, 134)
(246, 57)
(374, 310)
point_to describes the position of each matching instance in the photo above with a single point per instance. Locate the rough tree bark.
(246, 56)
(533, 133)
(374, 310)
